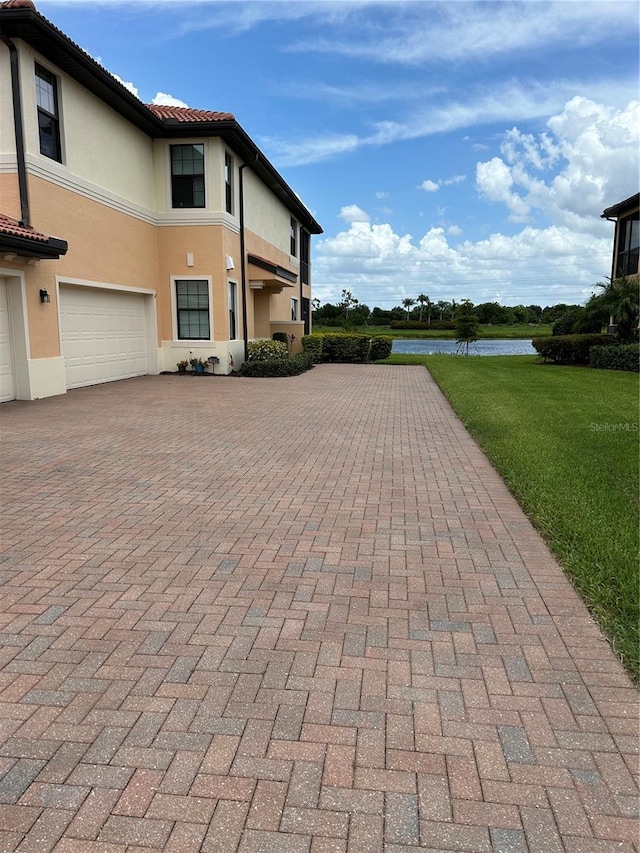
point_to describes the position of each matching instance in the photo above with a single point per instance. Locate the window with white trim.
(233, 296)
(294, 309)
(293, 237)
(48, 114)
(193, 315)
(228, 182)
(187, 175)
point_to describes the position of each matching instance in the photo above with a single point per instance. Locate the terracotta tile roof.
(187, 114)
(12, 226)
(18, 4)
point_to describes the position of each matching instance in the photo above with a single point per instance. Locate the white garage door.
(104, 335)
(7, 382)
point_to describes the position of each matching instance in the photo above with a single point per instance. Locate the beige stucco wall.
(101, 149)
(265, 215)
(9, 194)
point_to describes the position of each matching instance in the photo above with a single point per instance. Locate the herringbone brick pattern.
(291, 615)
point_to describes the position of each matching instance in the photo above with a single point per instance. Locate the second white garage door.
(7, 386)
(104, 335)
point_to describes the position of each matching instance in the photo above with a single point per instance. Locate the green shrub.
(280, 336)
(381, 347)
(345, 348)
(569, 349)
(266, 350)
(313, 345)
(626, 357)
(277, 366)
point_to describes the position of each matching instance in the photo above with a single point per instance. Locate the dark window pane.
(187, 176)
(49, 139)
(192, 298)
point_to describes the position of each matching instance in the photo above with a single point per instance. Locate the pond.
(487, 346)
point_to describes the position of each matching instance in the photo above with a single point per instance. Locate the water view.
(487, 346)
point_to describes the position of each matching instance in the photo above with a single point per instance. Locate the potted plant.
(182, 366)
(198, 364)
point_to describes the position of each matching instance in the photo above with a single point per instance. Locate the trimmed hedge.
(312, 344)
(381, 347)
(438, 325)
(345, 348)
(569, 349)
(624, 357)
(266, 350)
(292, 366)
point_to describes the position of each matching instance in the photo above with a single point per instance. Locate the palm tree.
(422, 301)
(442, 307)
(620, 301)
(408, 303)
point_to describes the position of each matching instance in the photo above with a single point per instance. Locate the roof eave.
(51, 43)
(26, 247)
(30, 26)
(621, 207)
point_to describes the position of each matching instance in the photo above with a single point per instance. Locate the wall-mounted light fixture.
(44, 296)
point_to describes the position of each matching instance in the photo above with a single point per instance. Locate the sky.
(452, 148)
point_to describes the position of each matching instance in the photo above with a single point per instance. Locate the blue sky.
(458, 149)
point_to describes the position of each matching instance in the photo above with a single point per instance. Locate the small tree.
(466, 325)
(348, 303)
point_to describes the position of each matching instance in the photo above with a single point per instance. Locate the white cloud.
(423, 33)
(353, 213)
(535, 266)
(590, 158)
(560, 180)
(495, 181)
(133, 89)
(433, 186)
(513, 101)
(162, 98)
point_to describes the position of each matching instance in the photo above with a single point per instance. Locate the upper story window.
(628, 246)
(192, 302)
(294, 309)
(187, 175)
(293, 237)
(305, 252)
(228, 183)
(48, 114)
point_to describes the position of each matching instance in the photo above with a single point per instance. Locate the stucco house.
(626, 240)
(130, 235)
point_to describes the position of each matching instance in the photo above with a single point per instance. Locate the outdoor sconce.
(44, 296)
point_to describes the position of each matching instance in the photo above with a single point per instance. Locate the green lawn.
(565, 440)
(515, 331)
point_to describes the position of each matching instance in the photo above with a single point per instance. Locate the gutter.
(19, 130)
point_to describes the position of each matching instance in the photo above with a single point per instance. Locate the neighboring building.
(173, 233)
(626, 240)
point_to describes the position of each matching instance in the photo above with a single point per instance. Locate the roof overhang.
(266, 274)
(27, 24)
(617, 210)
(25, 247)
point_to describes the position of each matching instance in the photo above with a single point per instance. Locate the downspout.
(245, 326)
(19, 129)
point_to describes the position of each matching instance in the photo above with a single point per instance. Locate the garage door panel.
(104, 335)
(7, 381)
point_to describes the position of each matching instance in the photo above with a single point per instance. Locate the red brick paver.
(300, 614)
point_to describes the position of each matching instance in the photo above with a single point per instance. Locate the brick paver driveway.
(291, 615)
